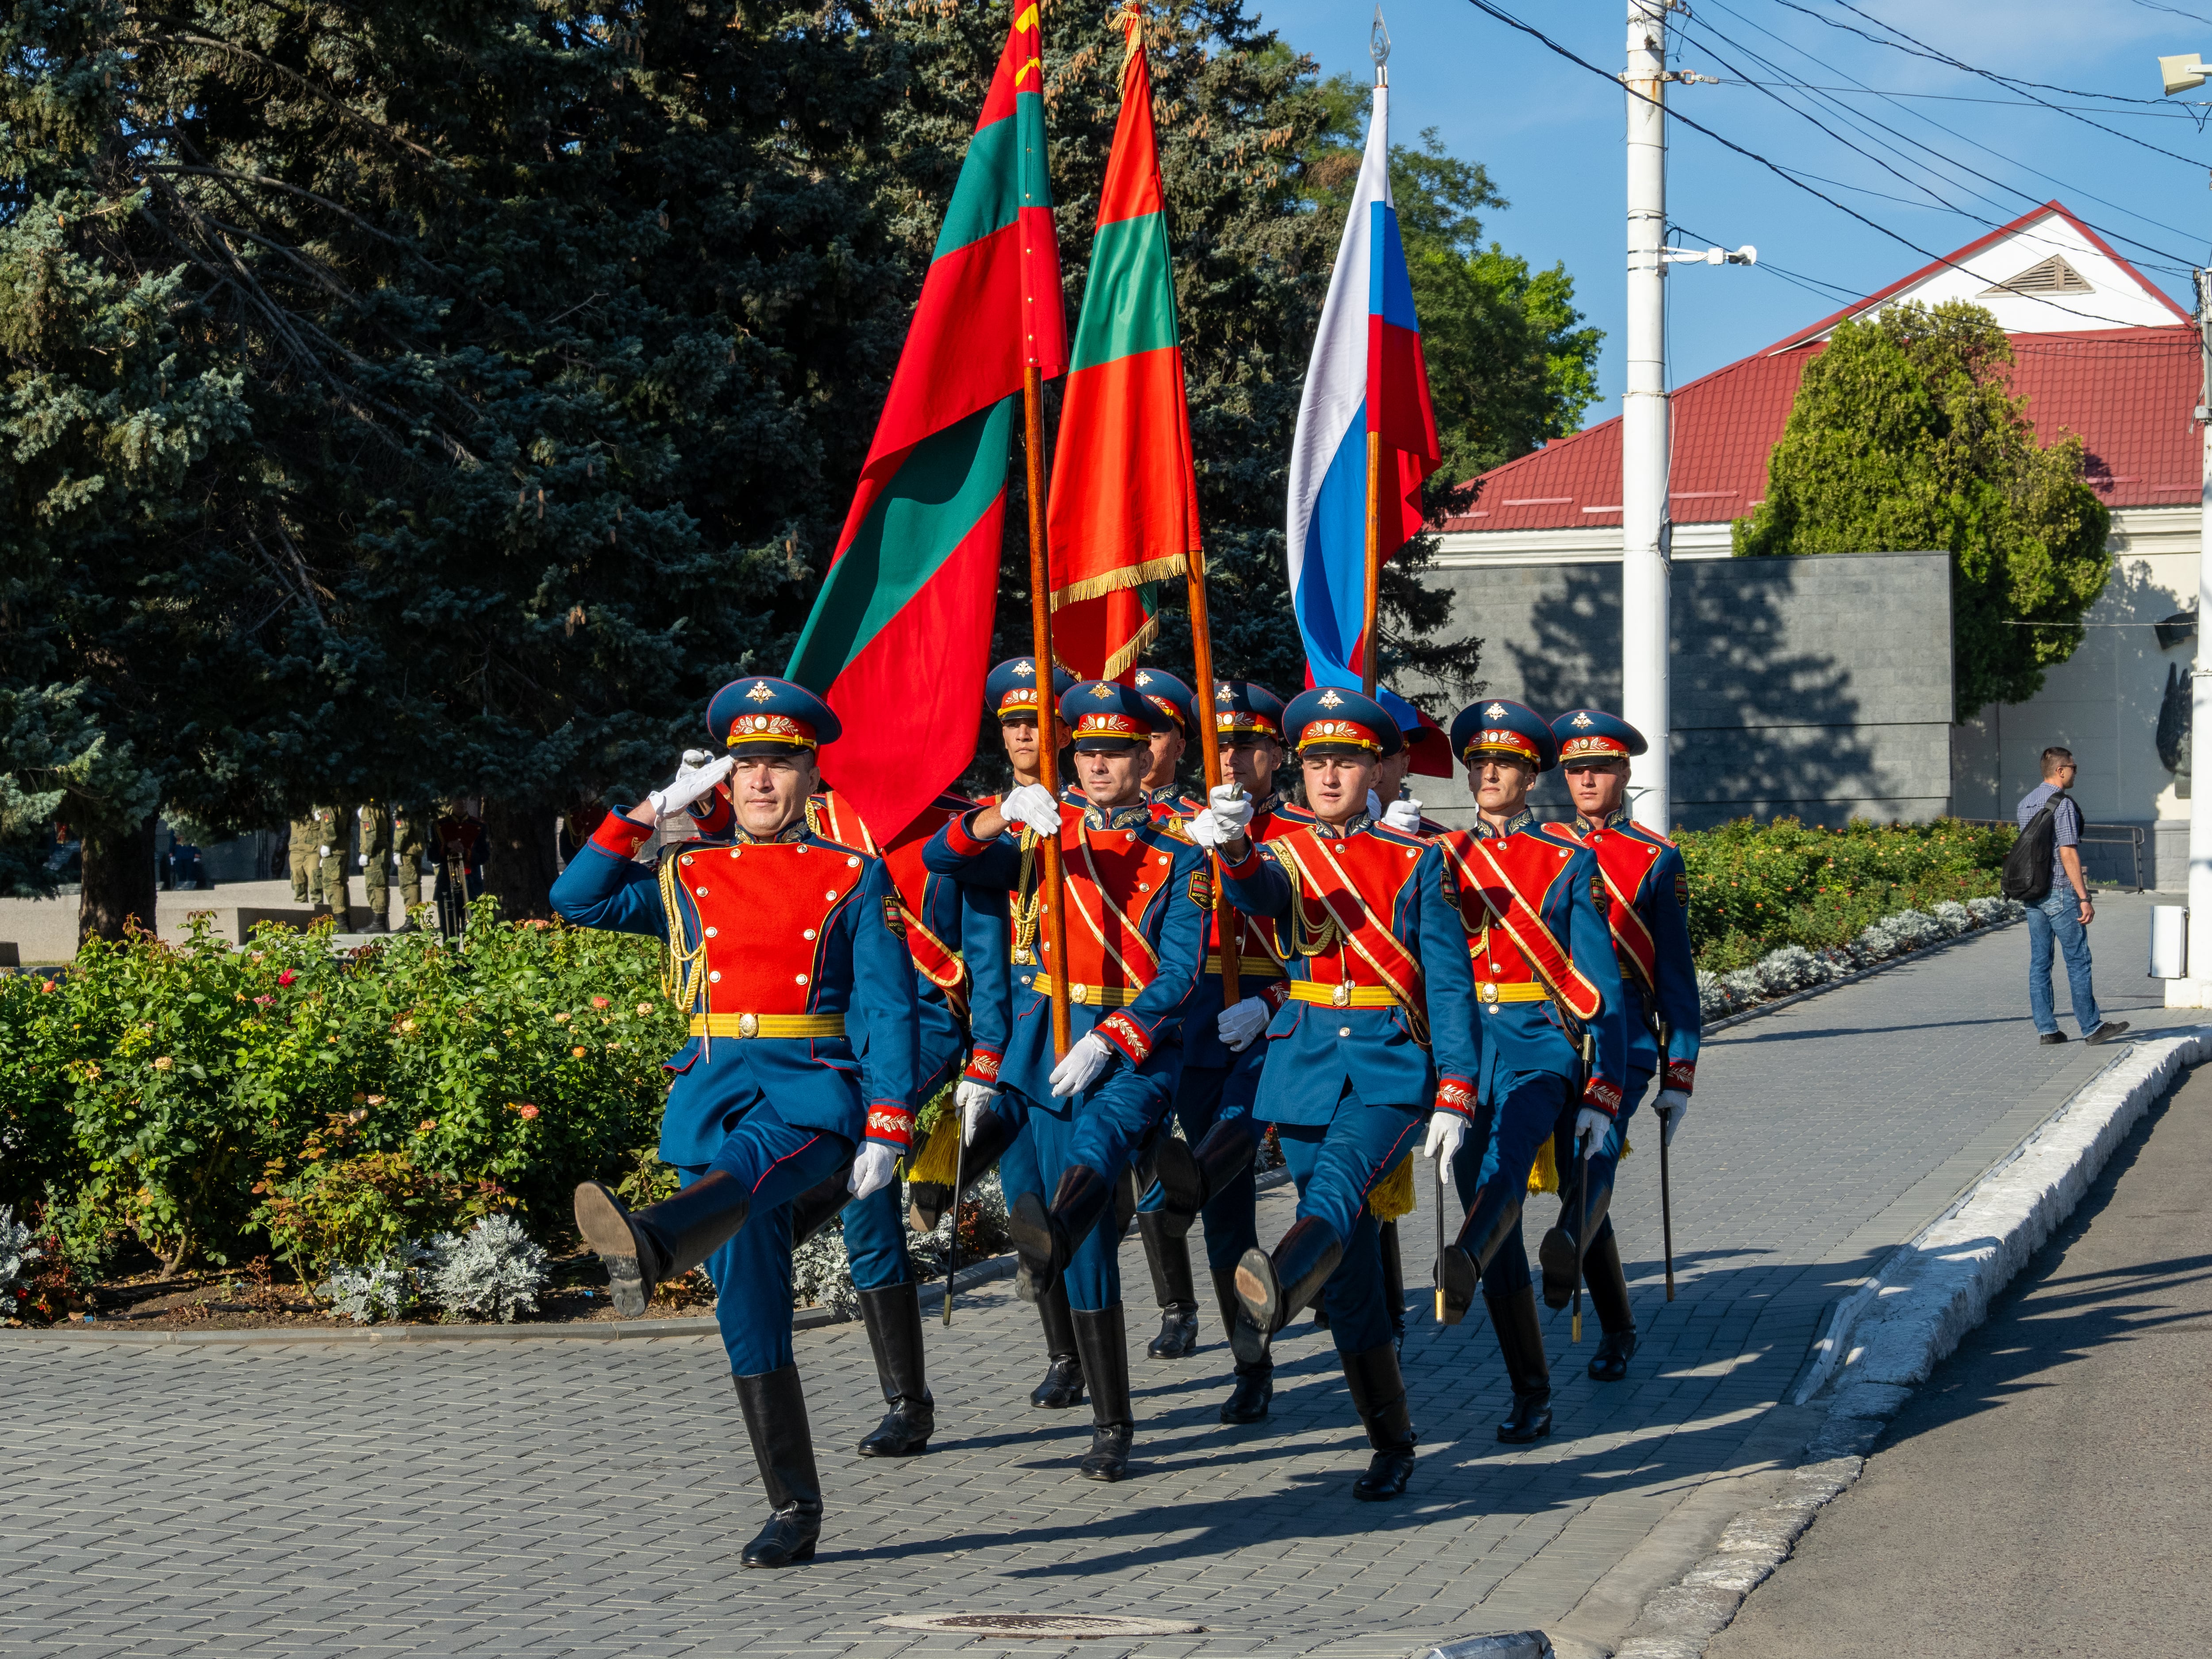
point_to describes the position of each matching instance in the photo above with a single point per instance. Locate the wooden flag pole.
(1055, 909)
(1369, 652)
(1209, 742)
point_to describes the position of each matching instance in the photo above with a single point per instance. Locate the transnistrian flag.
(899, 641)
(1366, 375)
(1124, 508)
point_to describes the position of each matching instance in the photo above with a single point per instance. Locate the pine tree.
(1905, 435)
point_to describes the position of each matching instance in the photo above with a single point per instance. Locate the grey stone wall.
(1816, 687)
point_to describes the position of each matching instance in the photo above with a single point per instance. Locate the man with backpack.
(2045, 873)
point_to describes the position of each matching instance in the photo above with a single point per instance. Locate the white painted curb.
(1884, 1339)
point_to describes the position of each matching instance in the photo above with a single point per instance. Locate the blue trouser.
(875, 1226)
(1206, 1096)
(1101, 1129)
(1495, 1159)
(1335, 1165)
(2059, 917)
(1607, 1159)
(777, 1161)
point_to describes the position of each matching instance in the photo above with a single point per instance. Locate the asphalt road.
(2045, 1493)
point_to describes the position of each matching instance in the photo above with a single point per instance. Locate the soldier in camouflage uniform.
(307, 868)
(331, 833)
(408, 839)
(375, 861)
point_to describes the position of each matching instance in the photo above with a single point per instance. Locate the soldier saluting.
(1366, 921)
(1135, 940)
(1555, 1041)
(776, 935)
(1650, 889)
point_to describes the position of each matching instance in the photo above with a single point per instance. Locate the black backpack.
(2026, 873)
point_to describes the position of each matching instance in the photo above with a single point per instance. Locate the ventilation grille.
(2051, 275)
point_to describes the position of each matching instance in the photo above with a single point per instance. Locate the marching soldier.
(1649, 892)
(461, 862)
(1554, 1038)
(1209, 1172)
(991, 1121)
(375, 860)
(776, 935)
(1135, 938)
(1364, 919)
(955, 941)
(307, 862)
(1170, 738)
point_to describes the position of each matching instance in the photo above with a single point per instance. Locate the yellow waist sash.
(1527, 991)
(1090, 996)
(767, 1025)
(1343, 996)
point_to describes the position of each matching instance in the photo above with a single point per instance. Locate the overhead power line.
(1490, 10)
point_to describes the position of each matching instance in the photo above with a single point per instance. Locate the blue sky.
(1551, 134)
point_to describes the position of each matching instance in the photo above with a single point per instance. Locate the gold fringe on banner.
(1121, 576)
(1393, 1195)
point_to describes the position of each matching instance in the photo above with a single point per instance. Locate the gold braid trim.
(1305, 940)
(1024, 916)
(681, 969)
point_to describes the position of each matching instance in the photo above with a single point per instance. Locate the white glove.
(1673, 1105)
(873, 1170)
(364, 861)
(1080, 1069)
(1591, 1127)
(695, 757)
(1404, 817)
(1227, 818)
(689, 783)
(395, 860)
(974, 1099)
(1447, 1130)
(1033, 806)
(323, 852)
(1240, 1023)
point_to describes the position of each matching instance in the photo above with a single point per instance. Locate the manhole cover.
(1064, 1626)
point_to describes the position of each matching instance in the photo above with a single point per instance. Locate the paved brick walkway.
(547, 1497)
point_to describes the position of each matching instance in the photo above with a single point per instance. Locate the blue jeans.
(2060, 916)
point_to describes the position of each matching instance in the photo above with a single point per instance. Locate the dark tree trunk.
(519, 833)
(119, 883)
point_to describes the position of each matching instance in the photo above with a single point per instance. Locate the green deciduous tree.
(1905, 435)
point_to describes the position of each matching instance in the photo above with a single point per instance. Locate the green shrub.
(1755, 887)
(156, 1086)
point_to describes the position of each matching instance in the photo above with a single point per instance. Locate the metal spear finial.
(1378, 45)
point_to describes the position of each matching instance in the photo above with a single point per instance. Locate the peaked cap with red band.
(1593, 734)
(1330, 718)
(764, 715)
(1009, 691)
(1498, 725)
(1105, 715)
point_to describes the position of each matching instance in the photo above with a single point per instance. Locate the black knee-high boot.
(1168, 1255)
(1563, 1265)
(1521, 1339)
(1254, 1387)
(1062, 1387)
(1103, 1339)
(1609, 1294)
(893, 1317)
(1378, 1394)
(1393, 1280)
(662, 1241)
(776, 1421)
(1045, 1239)
(1490, 1220)
(928, 1200)
(1271, 1289)
(1191, 1177)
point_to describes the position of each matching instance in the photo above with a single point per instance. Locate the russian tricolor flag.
(1366, 375)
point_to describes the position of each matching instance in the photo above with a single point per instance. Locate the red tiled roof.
(2129, 393)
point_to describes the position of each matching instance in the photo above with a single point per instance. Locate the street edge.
(1932, 1291)
(1708, 1027)
(633, 1330)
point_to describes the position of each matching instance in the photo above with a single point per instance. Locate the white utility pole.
(1645, 587)
(2196, 991)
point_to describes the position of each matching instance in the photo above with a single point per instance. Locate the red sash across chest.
(763, 912)
(1353, 885)
(1624, 860)
(1113, 879)
(1503, 886)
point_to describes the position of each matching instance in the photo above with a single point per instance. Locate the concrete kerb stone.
(1885, 1340)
